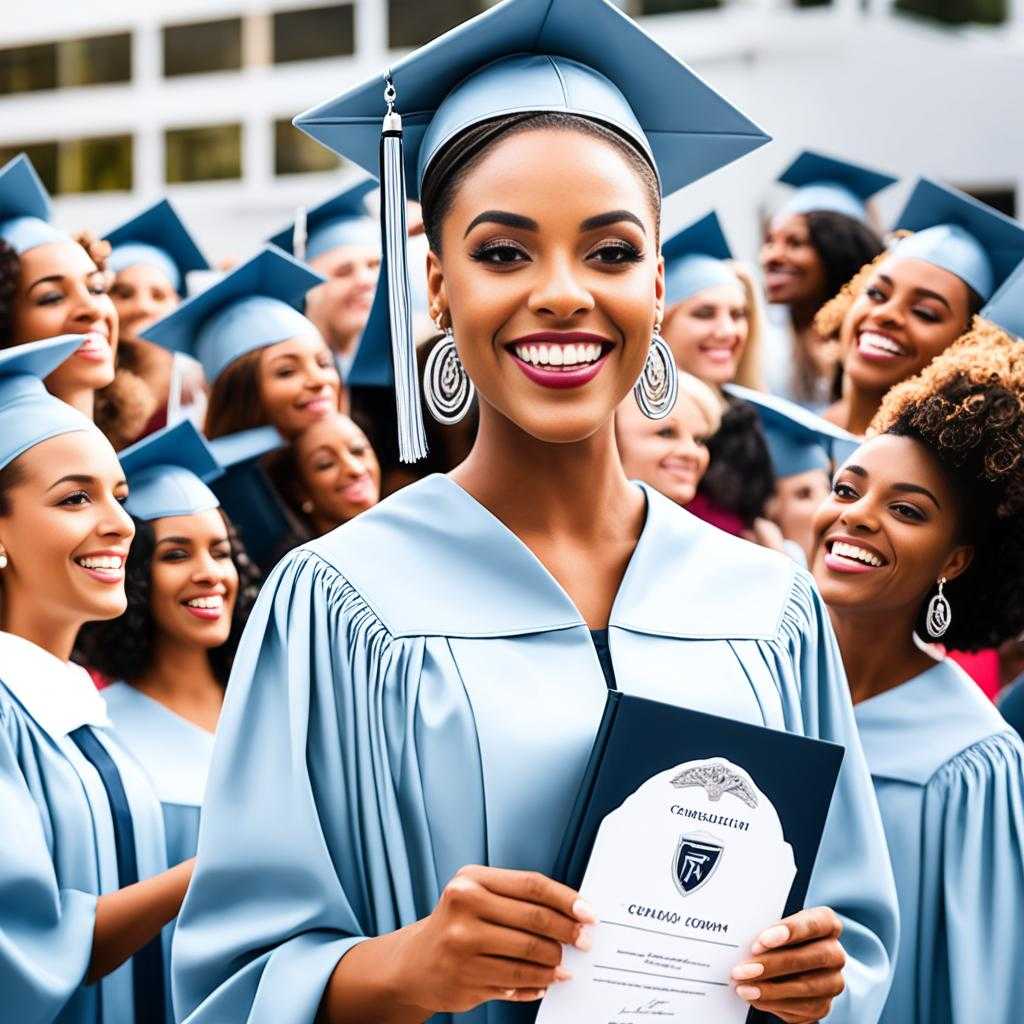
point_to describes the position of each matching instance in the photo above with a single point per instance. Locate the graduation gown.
(175, 754)
(415, 692)
(949, 774)
(58, 851)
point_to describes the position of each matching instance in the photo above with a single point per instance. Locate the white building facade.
(122, 101)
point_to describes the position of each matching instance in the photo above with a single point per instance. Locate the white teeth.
(882, 343)
(206, 602)
(559, 355)
(857, 554)
(101, 562)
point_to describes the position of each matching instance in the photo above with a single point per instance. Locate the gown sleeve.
(852, 874)
(972, 886)
(45, 931)
(296, 805)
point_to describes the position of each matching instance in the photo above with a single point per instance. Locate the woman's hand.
(495, 934)
(797, 967)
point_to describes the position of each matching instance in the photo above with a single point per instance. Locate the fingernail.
(585, 940)
(583, 911)
(774, 936)
(744, 972)
(748, 992)
(561, 974)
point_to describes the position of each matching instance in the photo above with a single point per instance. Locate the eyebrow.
(76, 478)
(46, 280)
(189, 540)
(506, 219)
(603, 220)
(925, 293)
(902, 488)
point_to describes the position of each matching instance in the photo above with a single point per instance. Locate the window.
(415, 22)
(674, 6)
(43, 156)
(296, 153)
(957, 12)
(210, 153)
(28, 68)
(70, 62)
(95, 165)
(313, 33)
(203, 46)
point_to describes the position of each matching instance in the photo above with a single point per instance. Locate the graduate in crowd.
(923, 540)
(435, 661)
(713, 325)
(813, 245)
(899, 312)
(51, 285)
(328, 475)
(266, 363)
(189, 588)
(342, 244)
(84, 885)
(670, 454)
(151, 256)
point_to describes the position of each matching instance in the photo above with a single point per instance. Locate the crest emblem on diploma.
(697, 856)
(717, 779)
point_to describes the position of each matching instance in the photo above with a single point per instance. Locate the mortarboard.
(582, 57)
(341, 220)
(827, 183)
(25, 208)
(256, 305)
(157, 237)
(798, 440)
(29, 414)
(694, 260)
(372, 364)
(957, 233)
(1006, 308)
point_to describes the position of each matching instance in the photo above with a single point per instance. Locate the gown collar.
(59, 695)
(465, 574)
(912, 730)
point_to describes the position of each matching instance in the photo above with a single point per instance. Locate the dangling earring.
(658, 386)
(3, 559)
(307, 507)
(447, 389)
(940, 614)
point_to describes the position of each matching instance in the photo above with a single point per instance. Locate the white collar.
(59, 695)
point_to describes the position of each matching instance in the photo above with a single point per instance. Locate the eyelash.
(70, 503)
(846, 492)
(489, 251)
(877, 295)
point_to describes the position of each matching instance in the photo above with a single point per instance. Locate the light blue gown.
(949, 774)
(57, 853)
(415, 692)
(175, 754)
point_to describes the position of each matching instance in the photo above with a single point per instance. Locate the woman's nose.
(561, 294)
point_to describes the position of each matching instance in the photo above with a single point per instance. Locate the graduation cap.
(157, 237)
(957, 233)
(827, 183)
(1006, 308)
(581, 57)
(29, 414)
(256, 305)
(798, 440)
(694, 260)
(25, 208)
(340, 220)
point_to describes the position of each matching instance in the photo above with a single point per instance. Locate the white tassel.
(299, 234)
(412, 438)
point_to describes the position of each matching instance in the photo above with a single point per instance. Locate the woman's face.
(794, 504)
(669, 454)
(60, 291)
(708, 332)
(299, 383)
(194, 582)
(552, 279)
(793, 271)
(909, 312)
(338, 469)
(66, 535)
(341, 306)
(142, 294)
(888, 530)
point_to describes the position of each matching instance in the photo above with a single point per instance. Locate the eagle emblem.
(716, 778)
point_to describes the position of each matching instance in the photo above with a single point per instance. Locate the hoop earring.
(447, 389)
(658, 385)
(940, 614)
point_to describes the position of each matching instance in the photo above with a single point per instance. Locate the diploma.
(685, 862)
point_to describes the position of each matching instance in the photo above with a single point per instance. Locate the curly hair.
(122, 648)
(10, 274)
(967, 408)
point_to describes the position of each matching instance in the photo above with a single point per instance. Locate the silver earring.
(447, 389)
(658, 386)
(940, 614)
(307, 507)
(3, 559)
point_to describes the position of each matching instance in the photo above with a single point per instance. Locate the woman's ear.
(958, 562)
(659, 292)
(437, 293)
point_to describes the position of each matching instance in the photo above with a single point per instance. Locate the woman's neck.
(182, 679)
(860, 407)
(82, 399)
(802, 314)
(54, 635)
(879, 652)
